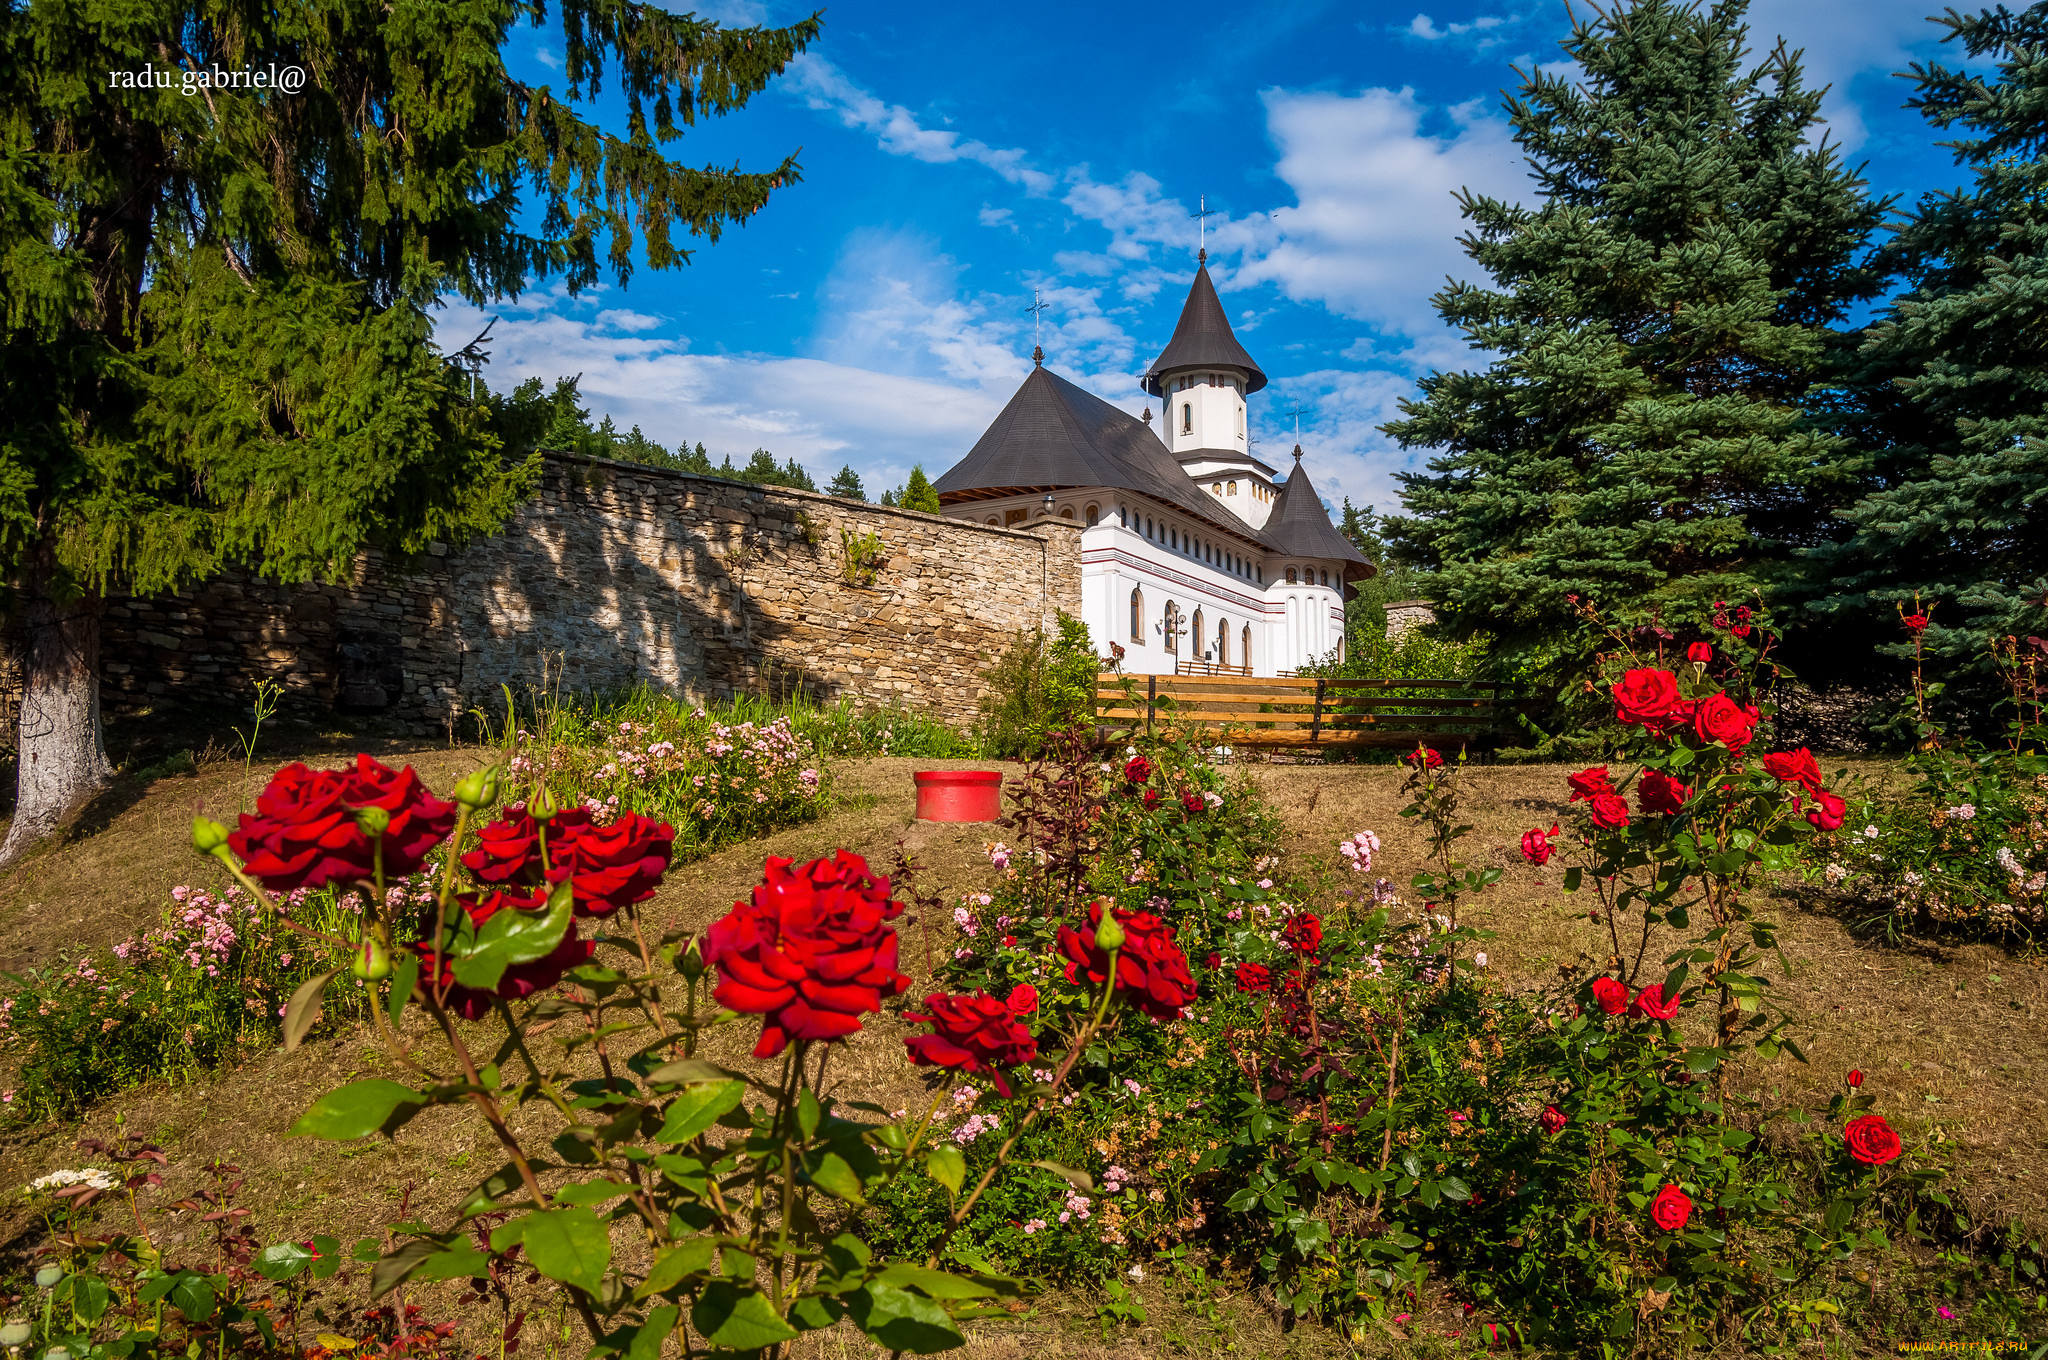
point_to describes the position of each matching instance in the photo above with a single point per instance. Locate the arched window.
(1326, 578)
(993, 520)
(1187, 417)
(1148, 526)
(1233, 489)
(1259, 575)
(1196, 634)
(1094, 514)
(1173, 539)
(1246, 638)
(1290, 576)
(1169, 624)
(1223, 643)
(1137, 616)
(1216, 489)
(1066, 512)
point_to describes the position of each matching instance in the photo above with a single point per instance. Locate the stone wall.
(1405, 614)
(616, 574)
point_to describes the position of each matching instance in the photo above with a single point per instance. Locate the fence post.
(1315, 728)
(1151, 700)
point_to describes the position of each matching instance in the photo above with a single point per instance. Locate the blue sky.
(956, 158)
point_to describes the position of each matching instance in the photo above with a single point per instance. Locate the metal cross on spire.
(1295, 415)
(1037, 310)
(1202, 214)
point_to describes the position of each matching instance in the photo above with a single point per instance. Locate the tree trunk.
(63, 758)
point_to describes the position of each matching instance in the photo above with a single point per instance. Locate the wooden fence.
(1315, 711)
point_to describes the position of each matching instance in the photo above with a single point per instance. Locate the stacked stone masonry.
(615, 575)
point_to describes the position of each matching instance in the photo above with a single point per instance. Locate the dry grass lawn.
(1950, 1036)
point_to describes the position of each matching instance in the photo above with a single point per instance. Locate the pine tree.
(918, 494)
(697, 460)
(1954, 386)
(215, 306)
(847, 483)
(1658, 318)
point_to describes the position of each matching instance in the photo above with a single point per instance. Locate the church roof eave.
(1203, 339)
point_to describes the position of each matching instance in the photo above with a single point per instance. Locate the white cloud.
(893, 302)
(1421, 27)
(898, 131)
(630, 321)
(1843, 39)
(1373, 231)
(998, 217)
(1342, 448)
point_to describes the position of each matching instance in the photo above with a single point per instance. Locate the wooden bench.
(1315, 711)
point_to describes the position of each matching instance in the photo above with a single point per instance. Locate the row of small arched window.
(1171, 628)
(1173, 538)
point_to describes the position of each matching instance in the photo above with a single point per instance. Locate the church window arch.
(1259, 575)
(1233, 489)
(1169, 624)
(1187, 417)
(1246, 638)
(1290, 576)
(1216, 489)
(1137, 615)
(993, 521)
(1196, 634)
(1067, 512)
(1326, 578)
(1094, 515)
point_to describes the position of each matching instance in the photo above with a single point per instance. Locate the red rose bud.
(1536, 846)
(1670, 1209)
(1254, 978)
(373, 820)
(208, 836)
(1855, 1078)
(810, 952)
(1702, 652)
(307, 830)
(1611, 995)
(1215, 961)
(542, 807)
(1650, 1002)
(1150, 971)
(1553, 1119)
(1794, 767)
(372, 962)
(1192, 802)
(1827, 811)
(1659, 794)
(480, 789)
(1303, 933)
(975, 1034)
(1871, 1140)
(1610, 810)
(1151, 798)
(690, 963)
(1586, 783)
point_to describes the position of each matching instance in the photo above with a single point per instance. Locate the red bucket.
(959, 795)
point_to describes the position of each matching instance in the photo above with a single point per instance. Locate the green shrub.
(1040, 684)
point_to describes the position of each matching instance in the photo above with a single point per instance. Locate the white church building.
(1196, 558)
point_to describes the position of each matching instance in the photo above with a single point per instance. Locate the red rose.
(1536, 846)
(1610, 810)
(1650, 1002)
(1660, 794)
(1827, 810)
(1215, 961)
(1023, 999)
(810, 951)
(1647, 698)
(1794, 767)
(1670, 1209)
(614, 866)
(1254, 978)
(1552, 1119)
(1855, 1078)
(1137, 770)
(1192, 802)
(1871, 1140)
(1422, 757)
(1612, 995)
(522, 979)
(1701, 652)
(1303, 932)
(1719, 719)
(1151, 972)
(1009, 941)
(1586, 783)
(1915, 623)
(976, 1034)
(1151, 798)
(304, 833)
(508, 849)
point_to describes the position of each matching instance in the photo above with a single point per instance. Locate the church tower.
(1202, 379)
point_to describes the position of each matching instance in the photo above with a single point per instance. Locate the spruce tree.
(1954, 386)
(847, 483)
(215, 295)
(918, 493)
(1657, 321)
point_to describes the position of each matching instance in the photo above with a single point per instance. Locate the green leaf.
(586, 1193)
(87, 1295)
(936, 1284)
(1838, 1216)
(428, 1258)
(831, 1173)
(1453, 1188)
(689, 1072)
(404, 978)
(644, 1341)
(673, 1265)
(903, 1321)
(1572, 877)
(697, 1108)
(511, 938)
(1080, 1180)
(302, 1012)
(808, 1113)
(355, 1110)
(814, 1311)
(948, 1166)
(282, 1261)
(572, 1246)
(193, 1295)
(728, 1314)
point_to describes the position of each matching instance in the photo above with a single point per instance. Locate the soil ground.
(1949, 1035)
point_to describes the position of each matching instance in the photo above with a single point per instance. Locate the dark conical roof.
(1302, 527)
(1053, 434)
(1203, 339)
